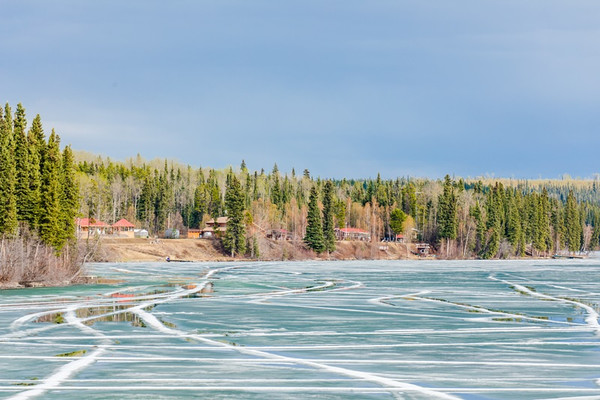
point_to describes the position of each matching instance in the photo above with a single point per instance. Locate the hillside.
(126, 250)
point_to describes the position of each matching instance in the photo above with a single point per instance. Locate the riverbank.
(132, 250)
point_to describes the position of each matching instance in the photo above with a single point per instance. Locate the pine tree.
(493, 223)
(8, 200)
(397, 218)
(50, 226)
(34, 172)
(328, 211)
(314, 229)
(513, 223)
(26, 204)
(572, 224)
(69, 199)
(447, 216)
(234, 241)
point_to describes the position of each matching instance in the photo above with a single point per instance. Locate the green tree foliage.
(50, 227)
(314, 230)
(8, 199)
(69, 196)
(447, 217)
(234, 241)
(27, 201)
(572, 224)
(328, 211)
(397, 218)
(494, 223)
(485, 218)
(340, 213)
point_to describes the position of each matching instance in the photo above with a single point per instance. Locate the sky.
(504, 88)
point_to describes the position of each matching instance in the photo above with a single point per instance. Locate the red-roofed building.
(91, 226)
(123, 228)
(352, 234)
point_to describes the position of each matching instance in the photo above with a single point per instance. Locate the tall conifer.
(234, 241)
(69, 199)
(50, 226)
(314, 229)
(328, 211)
(8, 200)
(572, 224)
(26, 203)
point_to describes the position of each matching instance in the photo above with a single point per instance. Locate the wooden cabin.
(352, 234)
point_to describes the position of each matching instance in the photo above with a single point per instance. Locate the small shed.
(140, 233)
(423, 249)
(194, 233)
(172, 234)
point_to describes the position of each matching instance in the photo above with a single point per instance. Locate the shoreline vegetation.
(45, 191)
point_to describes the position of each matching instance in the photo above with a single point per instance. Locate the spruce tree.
(572, 224)
(8, 200)
(69, 199)
(50, 226)
(493, 223)
(314, 229)
(34, 172)
(26, 204)
(328, 211)
(234, 240)
(513, 223)
(447, 214)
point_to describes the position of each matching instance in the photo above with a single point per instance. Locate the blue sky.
(343, 88)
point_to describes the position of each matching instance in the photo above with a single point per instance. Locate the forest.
(40, 201)
(461, 218)
(45, 189)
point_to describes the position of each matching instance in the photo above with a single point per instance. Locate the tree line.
(461, 218)
(40, 199)
(38, 186)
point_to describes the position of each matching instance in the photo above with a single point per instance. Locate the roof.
(123, 223)
(91, 222)
(220, 220)
(352, 230)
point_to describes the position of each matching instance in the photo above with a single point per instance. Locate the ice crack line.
(153, 322)
(591, 319)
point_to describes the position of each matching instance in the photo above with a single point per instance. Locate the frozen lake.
(321, 330)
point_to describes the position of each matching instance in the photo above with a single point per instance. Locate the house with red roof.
(123, 228)
(91, 226)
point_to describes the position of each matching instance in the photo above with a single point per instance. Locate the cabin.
(193, 233)
(423, 249)
(215, 228)
(280, 234)
(91, 226)
(123, 229)
(352, 234)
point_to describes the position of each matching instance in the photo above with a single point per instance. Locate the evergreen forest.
(460, 218)
(39, 201)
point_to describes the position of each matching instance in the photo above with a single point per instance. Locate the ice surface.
(322, 330)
